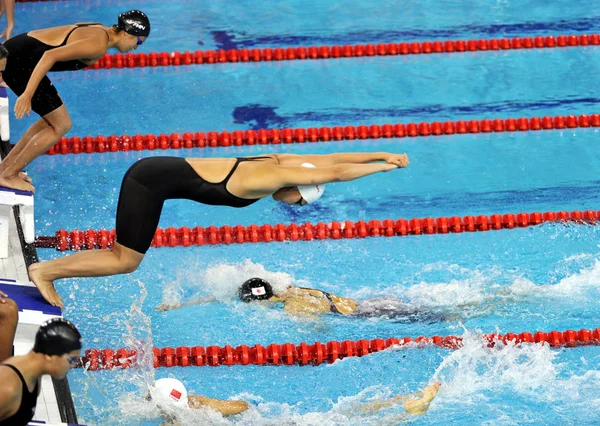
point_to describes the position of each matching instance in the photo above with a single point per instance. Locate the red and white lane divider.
(316, 353)
(161, 59)
(172, 237)
(114, 143)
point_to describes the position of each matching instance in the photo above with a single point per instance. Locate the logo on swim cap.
(135, 24)
(169, 393)
(258, 291)
(311, 193)
(175, 395)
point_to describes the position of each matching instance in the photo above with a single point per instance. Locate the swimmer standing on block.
(232, 182)
(65, 48)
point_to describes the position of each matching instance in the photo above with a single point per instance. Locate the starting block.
(9, 198)
(12, 197)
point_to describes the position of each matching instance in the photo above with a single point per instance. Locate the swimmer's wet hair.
(3, 52)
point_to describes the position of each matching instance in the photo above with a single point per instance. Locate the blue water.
(540, 278)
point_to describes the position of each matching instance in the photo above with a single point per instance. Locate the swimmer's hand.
(23, 105)
(421, 405)
(400, 160)
(2, 296)
(166, 307)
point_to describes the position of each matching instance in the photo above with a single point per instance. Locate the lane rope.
(76, 240)
(213, 139)
(314, 354)
(199, 57)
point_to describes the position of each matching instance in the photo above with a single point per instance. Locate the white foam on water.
(222, 280)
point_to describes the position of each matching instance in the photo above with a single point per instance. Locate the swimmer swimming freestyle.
(66, 48)
(232, 182)
(311, 302)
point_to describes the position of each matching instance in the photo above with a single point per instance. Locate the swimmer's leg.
(93, 263)
(37, 140)
(9, 317)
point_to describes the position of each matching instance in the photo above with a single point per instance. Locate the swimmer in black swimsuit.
(232, 182)
(66, 48)
(57, 348)
(9, 318)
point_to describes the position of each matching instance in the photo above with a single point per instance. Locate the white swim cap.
(168, 393)
(311, 193)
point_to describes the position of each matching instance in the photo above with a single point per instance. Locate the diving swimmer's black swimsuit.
(151, 181)
(28, 402)
(24, 53)
(332, 308)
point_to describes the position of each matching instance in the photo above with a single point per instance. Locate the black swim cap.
(255, 289)
(57, 336)
(134, 22)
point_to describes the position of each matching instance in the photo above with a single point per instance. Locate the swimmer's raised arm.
(342, 158)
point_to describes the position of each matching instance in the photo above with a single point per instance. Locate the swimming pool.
(529, 279)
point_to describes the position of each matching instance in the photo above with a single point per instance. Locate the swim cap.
(169, 392)
(311, 193)
(57, 336)
(255, 289)
(134, 22)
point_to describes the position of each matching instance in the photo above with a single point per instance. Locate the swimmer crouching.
(56, 350)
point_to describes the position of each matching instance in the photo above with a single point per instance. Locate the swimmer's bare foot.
(16, 183)
(421, 405)
(45, 287)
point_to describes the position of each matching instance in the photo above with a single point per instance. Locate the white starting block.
(12, 197)
(8, 199)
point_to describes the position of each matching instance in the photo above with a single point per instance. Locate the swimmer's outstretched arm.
(166, 307)
(226, 408)
(413, 404)
(341, 158)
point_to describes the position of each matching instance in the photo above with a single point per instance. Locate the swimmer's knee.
(63, 127)
(128, 267)
(9, 311)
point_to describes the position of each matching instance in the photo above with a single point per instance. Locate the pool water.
(538, 278)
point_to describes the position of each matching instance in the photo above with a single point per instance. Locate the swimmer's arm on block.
(226, 408)
(332, 159)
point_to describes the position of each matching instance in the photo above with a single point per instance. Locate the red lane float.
(213, 139)
(212, 235)
(317, 353)
(199, 57)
